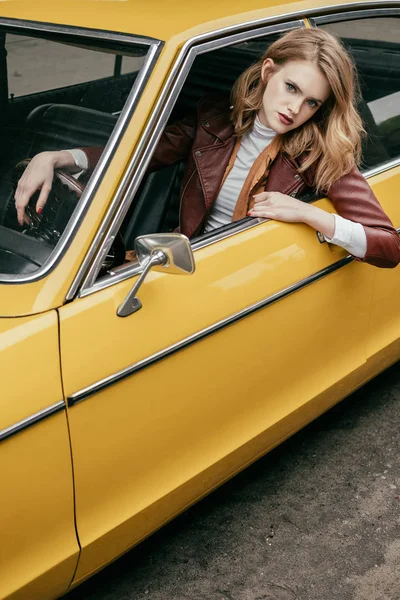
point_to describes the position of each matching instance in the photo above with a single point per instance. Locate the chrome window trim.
(203, 333)
(389, 11)
(21, 25)
(86, 276)
(154, 47)
(32, 420)
(126, 272)
(395, 162)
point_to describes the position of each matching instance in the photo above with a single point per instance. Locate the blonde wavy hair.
(332, 137)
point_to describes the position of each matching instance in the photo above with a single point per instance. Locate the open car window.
(56, 93)
(155, 207)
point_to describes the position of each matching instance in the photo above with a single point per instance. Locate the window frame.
(158, 120)
(104, 39)
(86, 281)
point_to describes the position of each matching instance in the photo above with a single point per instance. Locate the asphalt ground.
(316, 519)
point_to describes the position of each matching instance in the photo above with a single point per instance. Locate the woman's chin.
(280, 128)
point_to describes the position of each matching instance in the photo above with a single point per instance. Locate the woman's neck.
(261, 130)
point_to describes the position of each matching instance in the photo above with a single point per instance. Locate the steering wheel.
(49, 225)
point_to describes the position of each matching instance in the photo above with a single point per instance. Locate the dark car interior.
(85, 115)
(68, 117)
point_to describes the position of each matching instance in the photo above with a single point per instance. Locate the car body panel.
(158, 20)
(385, 318)
(39, 549)
(31, 379)
(161, 427)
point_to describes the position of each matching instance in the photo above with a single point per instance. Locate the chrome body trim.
(389, 11)
(395, 162)
(32, 420)
(21, 25)
(160, 115)
(154, 48)
(152, 134)
(203, 333)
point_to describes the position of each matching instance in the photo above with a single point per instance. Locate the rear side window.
(58, 65)
(375, 46)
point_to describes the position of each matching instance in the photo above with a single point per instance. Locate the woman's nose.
(294, 107)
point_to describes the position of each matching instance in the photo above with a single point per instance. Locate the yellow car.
(128, 393)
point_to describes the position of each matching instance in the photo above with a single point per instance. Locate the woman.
(293, 127)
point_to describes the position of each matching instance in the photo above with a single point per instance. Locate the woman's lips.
(285, 119)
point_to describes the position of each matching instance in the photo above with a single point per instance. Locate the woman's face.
(294, 92)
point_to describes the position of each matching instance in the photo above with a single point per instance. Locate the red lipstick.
(285, 119)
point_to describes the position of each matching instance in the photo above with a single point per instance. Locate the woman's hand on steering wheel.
(38, 176)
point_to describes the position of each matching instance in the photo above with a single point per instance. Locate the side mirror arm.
(132, 303)
(168, 252)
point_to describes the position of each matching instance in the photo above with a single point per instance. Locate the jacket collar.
(213, 114)
(308, 176)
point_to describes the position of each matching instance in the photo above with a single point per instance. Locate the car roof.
(159, 19)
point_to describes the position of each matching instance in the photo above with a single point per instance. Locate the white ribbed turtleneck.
(253, 143)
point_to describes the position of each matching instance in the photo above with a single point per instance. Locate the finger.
(20, 214)
(21, 200)
(261, 197)
(44, 194)
(22, 196)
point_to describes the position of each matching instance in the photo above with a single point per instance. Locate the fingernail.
(39, 210)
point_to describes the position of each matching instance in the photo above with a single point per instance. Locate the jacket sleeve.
(354, 199)
(174, 145)
(93, 156)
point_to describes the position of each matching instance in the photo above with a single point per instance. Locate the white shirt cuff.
(350, 236)
(80, 159)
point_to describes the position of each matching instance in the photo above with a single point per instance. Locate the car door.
(39, 549)
(214, 369)
(374, 39)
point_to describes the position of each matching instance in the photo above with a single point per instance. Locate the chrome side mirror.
(170, 252)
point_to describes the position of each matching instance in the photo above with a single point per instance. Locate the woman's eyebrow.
(298, 87)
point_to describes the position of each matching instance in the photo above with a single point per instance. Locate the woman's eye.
(312, 103)
(290, 87)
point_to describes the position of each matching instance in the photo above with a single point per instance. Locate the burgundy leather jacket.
(206, 141)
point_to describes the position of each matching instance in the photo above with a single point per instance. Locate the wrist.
(309, 214)
(319, 220)
(61, 159)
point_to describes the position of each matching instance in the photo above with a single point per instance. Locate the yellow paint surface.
(38, 550)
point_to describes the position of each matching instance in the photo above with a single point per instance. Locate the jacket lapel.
(212, 147)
